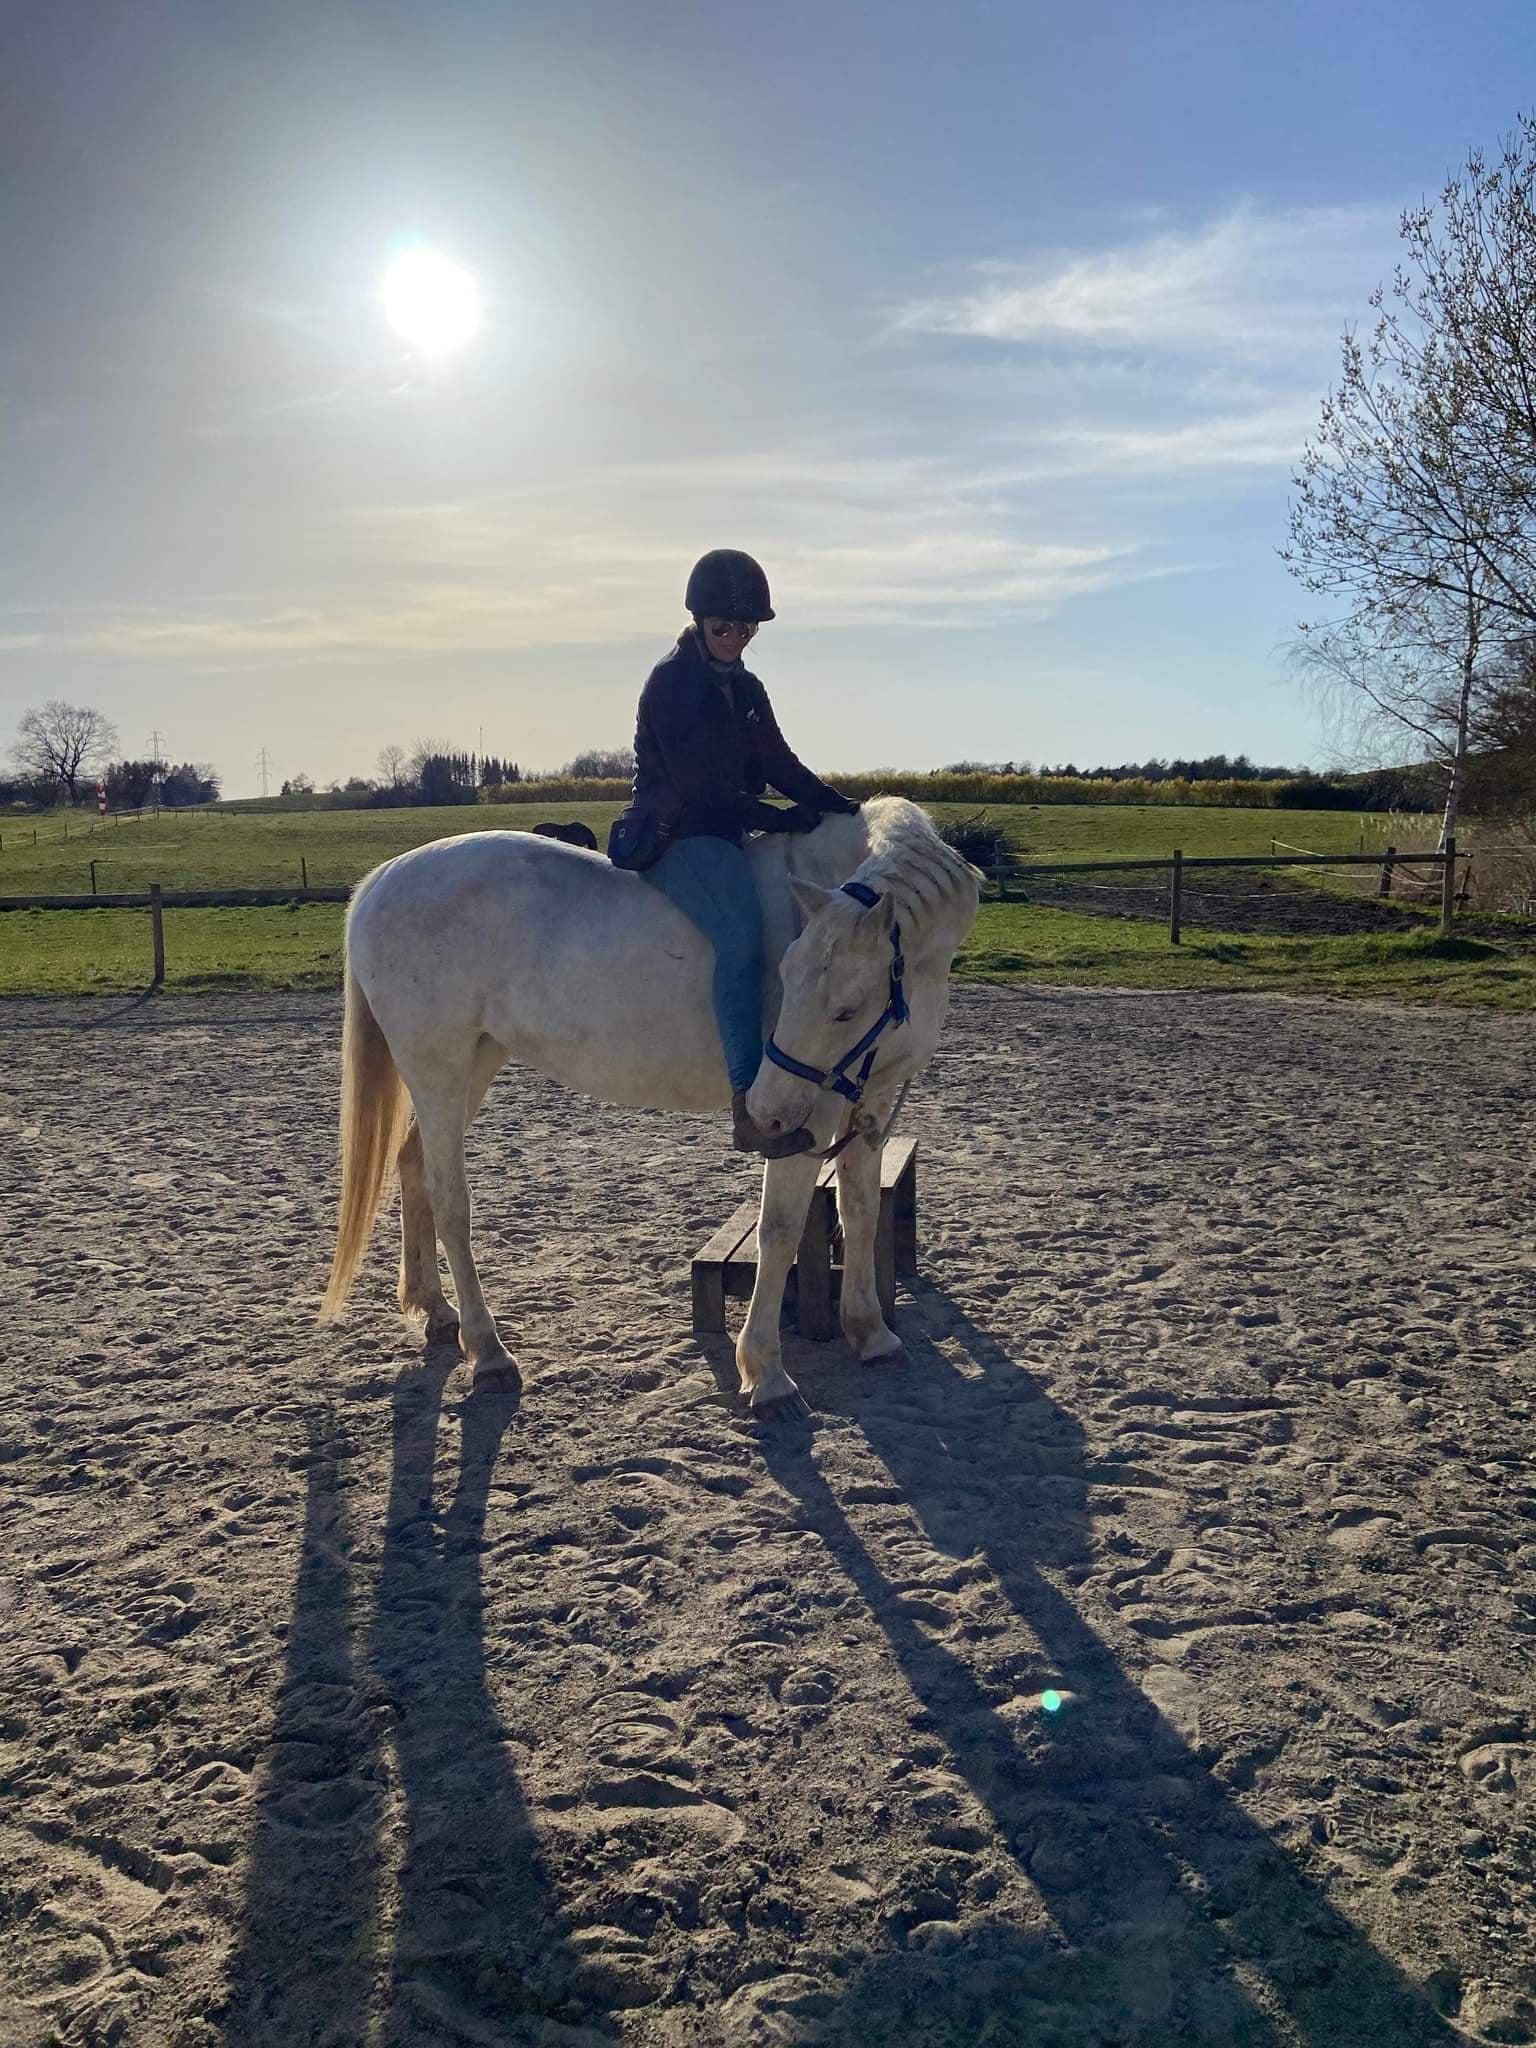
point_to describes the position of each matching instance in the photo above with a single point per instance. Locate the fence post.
(999, 876)
(93, 878)
(1448, 887)
(303, 871)
(157, 921)
(1384, 887)
(1176, 896)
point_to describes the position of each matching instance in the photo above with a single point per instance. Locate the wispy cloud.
(902, 542)
(1179, 363)
(1269, 437)
(1257, 282)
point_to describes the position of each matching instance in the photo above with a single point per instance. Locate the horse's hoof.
(496, 1372)
(877, 1343)
(442, 1327)
(777, 1394)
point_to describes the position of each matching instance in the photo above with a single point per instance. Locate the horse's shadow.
(395, 1889)
(1176, 1917)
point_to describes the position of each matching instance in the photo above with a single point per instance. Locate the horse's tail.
(375, 1110)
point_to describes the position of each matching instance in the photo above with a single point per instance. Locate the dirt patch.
(1146, 1657)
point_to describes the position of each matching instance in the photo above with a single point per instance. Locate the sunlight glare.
(431, 302)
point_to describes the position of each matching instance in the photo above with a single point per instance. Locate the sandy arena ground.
(343, 1706)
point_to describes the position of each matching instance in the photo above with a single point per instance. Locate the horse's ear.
(809, 898)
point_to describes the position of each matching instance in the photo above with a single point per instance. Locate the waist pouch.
(638, 839)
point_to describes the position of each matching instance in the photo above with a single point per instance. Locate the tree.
(1400, 516)
(423, 752)
(391, 761)
(447, 779)
(194, 782)
(598, 764)
(298, 785)
(1502, 771)
(62, 743)
(131, 784)
(1471, 292)
(1391, 680)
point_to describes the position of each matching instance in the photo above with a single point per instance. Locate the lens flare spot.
(1051, 1702)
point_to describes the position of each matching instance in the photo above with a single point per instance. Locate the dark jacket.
(704, 753)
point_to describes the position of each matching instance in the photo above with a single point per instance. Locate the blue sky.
(994, 330)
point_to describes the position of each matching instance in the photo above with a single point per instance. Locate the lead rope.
(853, 1131)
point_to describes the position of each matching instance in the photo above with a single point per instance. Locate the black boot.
(746, 1136)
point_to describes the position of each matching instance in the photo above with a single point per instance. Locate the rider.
(706, 746)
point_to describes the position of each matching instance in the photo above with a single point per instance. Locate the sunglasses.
(731, 629)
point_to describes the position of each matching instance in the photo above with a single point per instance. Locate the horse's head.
(837, 985)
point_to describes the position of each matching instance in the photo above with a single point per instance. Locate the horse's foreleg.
(858, 1210)
(787, 1185)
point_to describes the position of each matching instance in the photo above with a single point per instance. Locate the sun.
(431, 302)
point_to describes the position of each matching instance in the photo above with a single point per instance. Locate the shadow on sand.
(395, 1892)
(1175, 1917)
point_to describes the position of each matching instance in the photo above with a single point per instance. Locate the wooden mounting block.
(727, 1264)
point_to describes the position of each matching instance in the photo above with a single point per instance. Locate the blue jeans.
(711, 883)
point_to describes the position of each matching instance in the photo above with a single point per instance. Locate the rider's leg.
(710, 881)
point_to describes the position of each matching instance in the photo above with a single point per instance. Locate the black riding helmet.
(726, 584)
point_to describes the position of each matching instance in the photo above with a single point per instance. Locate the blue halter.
(896, 1012)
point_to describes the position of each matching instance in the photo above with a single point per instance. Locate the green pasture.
(299, 945)
(1018, 942)
(101, 952)
(245, 848)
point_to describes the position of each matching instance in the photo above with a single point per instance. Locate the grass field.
(1017, 942)
(208, 850)
(243, 849)
(108, 952)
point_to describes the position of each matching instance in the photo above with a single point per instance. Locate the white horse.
(466, 953)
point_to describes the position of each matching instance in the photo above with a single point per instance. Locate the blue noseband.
(896, 1012)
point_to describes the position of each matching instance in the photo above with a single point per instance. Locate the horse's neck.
(827, 856)
(830, 854)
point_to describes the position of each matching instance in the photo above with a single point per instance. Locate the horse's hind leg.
(421, 1287)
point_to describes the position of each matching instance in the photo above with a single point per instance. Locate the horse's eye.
(845, 1016)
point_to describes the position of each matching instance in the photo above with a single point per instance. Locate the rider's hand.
(799, 818)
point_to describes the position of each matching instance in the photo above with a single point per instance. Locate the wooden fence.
(157, 900)
(87, 826)
(1006, 869)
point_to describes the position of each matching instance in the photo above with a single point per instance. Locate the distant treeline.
(130, 785)
(1212, 768)
(1382, 790)
(438, 777)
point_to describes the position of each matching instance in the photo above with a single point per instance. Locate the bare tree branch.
(62, 743)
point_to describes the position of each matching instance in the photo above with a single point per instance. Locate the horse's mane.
(908, 861)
